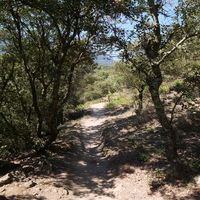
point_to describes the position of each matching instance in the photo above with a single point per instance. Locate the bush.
(15, 139)
(178, 86)
(164, 89)
(110, 105)
(119, 101)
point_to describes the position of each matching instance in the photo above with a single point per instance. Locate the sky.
(108, 59)
(112, 57)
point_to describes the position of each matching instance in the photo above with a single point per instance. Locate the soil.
(83, 171)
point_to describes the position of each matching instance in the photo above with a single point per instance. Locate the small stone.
(35, 194)
(7, 179)
(179, 108)
(30, 184)
(3, 190)
(127, 169)
(197, 180)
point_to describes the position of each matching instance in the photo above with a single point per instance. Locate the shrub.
(164, 89)
(178, 86)
(110, 105)
(119, 101)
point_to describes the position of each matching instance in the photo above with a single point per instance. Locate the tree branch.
(168, 53)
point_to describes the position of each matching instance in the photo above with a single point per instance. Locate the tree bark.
(140, 97)
(169, 133)
(52, 119)
(54, 105)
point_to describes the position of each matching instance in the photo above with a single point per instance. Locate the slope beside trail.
(86, 174)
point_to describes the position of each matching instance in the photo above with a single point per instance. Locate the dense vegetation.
(48, 51)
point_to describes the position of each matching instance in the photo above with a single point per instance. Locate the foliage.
(164, 89)
(118, 101)
(101, 83)
(47, 63)
(46, 50)
(151, 43)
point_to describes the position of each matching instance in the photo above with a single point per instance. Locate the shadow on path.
(87, 171)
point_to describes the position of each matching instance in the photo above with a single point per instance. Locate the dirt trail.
(88, 175)
(104, 182)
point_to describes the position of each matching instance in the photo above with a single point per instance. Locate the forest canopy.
(47, 62)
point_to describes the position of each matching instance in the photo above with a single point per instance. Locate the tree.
(132, 79)
(50, 41)
(100, 83)
(154, 42)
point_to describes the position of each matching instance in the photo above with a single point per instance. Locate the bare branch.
(168, 53)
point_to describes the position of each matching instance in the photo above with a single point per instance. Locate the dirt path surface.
(85, 173)
(100, 179)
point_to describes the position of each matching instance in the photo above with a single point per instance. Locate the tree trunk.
(171, 150)
(54, 107)
(140, 98)
(36, 106)
(60, 119)
(53, 132)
